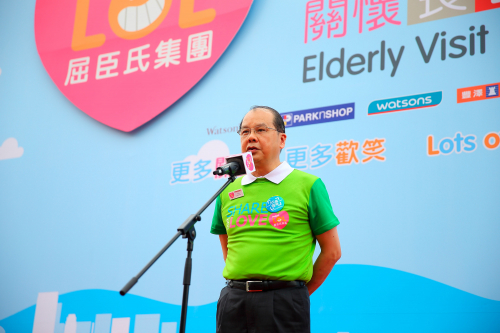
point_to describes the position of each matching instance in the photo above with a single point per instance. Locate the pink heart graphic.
(231, 195)
(123, 62)
(279, 220)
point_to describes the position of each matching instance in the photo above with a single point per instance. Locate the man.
(268, 224)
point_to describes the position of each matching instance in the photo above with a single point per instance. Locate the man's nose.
(252, 137)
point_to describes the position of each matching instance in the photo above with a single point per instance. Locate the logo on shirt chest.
(277, 220)
(275, 204)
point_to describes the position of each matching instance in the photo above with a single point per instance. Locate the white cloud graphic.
(10, 149)
(210, 151)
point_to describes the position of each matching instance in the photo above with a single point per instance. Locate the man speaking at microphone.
(268, 223)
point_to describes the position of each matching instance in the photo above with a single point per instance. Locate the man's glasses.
(259, 130)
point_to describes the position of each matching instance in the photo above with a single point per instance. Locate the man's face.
(266, 146)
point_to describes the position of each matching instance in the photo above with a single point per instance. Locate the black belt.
(255, 286)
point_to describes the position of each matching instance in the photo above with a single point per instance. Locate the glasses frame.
(254, 129)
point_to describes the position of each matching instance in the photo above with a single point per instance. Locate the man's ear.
(282, 140)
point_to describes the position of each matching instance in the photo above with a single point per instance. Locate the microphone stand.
(187, 230)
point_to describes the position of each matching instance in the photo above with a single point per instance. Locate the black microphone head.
(241, 166)
(231, 168)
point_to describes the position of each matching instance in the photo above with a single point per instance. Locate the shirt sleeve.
(321, 216)
(217, 222)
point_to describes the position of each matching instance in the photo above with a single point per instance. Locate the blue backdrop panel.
(411, 169)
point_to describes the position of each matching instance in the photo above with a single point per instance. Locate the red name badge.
(236, 194)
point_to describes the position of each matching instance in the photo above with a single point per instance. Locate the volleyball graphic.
(137, 18)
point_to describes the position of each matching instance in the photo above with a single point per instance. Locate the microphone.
(236, 165)
(227, 169)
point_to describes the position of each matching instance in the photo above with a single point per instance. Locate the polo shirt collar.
(276, 176)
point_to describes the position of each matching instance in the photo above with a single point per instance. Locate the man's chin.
(256, 155)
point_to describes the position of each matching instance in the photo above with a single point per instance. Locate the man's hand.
(223, 244)
(330, 254)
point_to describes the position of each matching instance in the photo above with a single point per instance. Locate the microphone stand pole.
(187, 230)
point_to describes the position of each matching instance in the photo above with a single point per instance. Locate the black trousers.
(284, 310)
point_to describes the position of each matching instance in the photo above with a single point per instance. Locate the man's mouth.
(252, 149)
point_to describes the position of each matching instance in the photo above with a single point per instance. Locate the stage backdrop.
(113, 114)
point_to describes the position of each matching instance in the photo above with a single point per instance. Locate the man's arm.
(330, 254)
(223, 244)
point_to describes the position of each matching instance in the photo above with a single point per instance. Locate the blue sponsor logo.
(319, 115)
(492, 91)
(405, 103)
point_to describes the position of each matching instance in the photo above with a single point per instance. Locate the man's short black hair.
(278, 122)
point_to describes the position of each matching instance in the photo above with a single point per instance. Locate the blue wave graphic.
(355, 298)
(362, 298)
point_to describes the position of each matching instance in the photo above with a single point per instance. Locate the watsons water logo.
(405, 103)
(319, 115)
(222, 130)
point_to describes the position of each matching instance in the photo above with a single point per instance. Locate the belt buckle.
(248, 286)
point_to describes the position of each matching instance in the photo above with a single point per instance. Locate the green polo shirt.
(268, 245)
